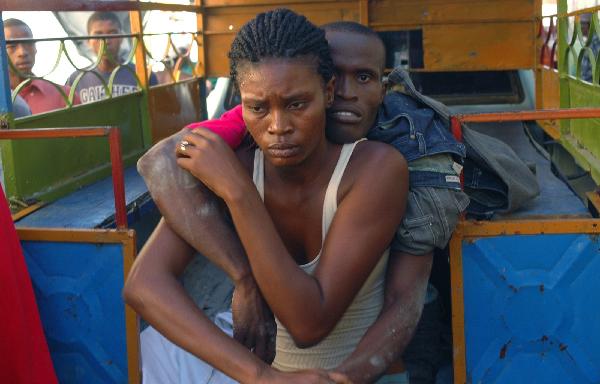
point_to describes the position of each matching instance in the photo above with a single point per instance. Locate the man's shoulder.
(47, 88)
(72, 77)
(374, 155)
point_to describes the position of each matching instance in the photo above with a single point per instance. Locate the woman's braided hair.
(280, 33)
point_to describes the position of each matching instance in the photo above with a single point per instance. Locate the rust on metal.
(131, 320)
(545, 114)
(474, 228)
(4, 122)
(76, 235)
(458, 308)
(165, 111)
(26, 211)
(594, 203)
(363, 12)
(49, 133)
(503, 350)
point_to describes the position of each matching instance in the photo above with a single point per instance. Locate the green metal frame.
(47, 169)
(581, 138)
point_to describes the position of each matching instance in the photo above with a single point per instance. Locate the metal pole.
(114, 140)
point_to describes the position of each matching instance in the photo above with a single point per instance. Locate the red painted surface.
(114, 140)
(24, 355)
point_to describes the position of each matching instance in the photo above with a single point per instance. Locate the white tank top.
(361, 313)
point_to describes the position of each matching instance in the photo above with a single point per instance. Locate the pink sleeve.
(230, 126)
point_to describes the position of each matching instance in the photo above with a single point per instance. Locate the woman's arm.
(310, 306)
(152, 290)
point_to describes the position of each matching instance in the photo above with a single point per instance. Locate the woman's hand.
(206, 156)
(309, 376)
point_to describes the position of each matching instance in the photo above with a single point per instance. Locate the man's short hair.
(103, 16)
(351, 26)
(10, 23)
(354, 27)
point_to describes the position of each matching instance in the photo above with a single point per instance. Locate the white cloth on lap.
(165, 363)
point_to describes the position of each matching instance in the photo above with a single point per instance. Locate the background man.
(93, 85)
(40, 95)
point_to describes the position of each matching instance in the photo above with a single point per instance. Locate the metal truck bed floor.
(555, 199)
(89, 207)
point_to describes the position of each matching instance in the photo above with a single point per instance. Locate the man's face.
(22, 55)
(359, 61)
(106, 27)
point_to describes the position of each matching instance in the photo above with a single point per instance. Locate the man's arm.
(385, 341)
(189, 208)
(193, 212)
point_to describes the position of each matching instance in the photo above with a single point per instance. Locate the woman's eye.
(256, 108)
(297, 105)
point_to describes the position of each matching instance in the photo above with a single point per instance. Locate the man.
(93, 86)
(594, 46)
(359, 57)
(39, 94)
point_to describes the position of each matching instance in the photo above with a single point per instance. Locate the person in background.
(92, 85)
(586, 65)
(20, 107)
(41, 95)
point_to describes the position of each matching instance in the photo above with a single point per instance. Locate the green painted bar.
(51, 168)
(581, 138)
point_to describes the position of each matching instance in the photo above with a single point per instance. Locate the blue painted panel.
(532, 309)
(78, 291)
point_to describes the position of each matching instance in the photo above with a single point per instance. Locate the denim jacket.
(496, 179)
(417, 131)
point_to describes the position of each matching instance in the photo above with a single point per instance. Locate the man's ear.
(330, 91)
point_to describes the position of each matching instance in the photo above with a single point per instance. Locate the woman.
(317, 245)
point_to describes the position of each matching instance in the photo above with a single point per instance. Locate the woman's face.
(284, 102)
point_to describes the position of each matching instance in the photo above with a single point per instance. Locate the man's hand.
(309, 376)
(253, 322)
(385, 340)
